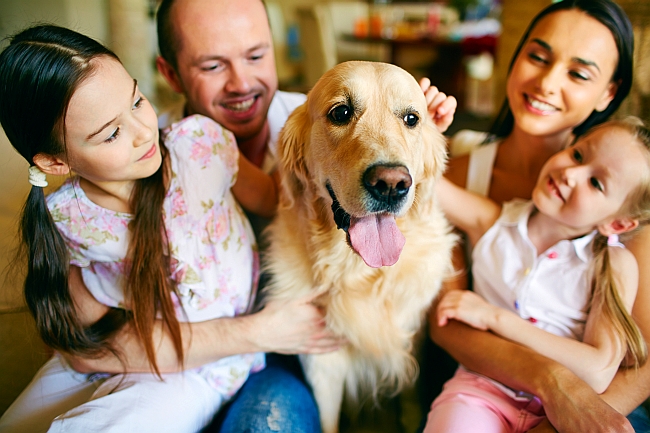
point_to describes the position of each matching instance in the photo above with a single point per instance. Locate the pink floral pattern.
(214, 255)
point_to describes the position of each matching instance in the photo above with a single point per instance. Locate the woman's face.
(562, 73)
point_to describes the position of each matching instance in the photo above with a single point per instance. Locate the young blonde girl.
(149, 228)
(570, 71)
(551, 274)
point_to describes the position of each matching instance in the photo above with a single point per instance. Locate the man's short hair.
(167, 41)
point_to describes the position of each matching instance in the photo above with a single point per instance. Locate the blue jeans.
(640, 420)
(276, 399)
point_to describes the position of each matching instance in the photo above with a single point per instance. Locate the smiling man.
(219, 55)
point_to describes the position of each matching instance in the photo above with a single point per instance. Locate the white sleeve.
(282, 106)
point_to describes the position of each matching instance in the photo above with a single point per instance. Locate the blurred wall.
(86, 16)
(123, 25)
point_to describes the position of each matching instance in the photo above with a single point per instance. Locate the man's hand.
(295, 326)
(440, 106)
(585, 422)
(572, 406)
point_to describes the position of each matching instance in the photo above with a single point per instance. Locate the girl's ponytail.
(606, 296)
(149, 286)
(607, 303)
(39, 72)
(46, 283)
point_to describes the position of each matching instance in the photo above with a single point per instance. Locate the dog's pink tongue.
(376, 239)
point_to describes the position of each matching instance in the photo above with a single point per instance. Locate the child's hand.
(468, 307)
(440, 106)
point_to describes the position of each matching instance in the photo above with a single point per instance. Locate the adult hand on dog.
(467, 307)
(441, 107)
(294, 326)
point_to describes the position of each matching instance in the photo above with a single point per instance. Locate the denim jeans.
(276, 399)
(640, 420)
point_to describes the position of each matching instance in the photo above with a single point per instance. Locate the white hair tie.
(612, 241)
(37, 177)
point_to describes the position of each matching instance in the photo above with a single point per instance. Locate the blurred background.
(464, 46)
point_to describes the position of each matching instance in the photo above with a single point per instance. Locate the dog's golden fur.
(378, 310)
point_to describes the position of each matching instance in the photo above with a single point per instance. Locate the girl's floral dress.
(214, 255)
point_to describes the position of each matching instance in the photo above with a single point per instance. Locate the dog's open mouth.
(374, 237)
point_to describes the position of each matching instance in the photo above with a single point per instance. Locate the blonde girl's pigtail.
(608, 303)
(605, 293)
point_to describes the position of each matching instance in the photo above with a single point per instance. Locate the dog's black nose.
(387, 184)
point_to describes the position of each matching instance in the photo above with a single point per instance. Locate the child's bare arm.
(295, 326)
(469, 212)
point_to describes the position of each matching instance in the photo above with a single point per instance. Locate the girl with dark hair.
(571, 70)
(150, 229)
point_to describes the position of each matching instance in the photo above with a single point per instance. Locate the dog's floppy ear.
(291, 152)
(435, 150)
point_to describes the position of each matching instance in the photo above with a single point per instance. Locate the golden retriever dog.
(358, 224)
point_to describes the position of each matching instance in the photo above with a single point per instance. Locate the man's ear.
(607, 96)
(170, 74)
(617, 226)
(49, 164)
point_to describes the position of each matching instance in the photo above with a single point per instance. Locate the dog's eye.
(340, 114)
(411, 119)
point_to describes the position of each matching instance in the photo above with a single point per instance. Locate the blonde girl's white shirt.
(214, 254)
(511, 263)
(551, 289)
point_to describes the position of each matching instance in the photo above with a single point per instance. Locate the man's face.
(226, 64)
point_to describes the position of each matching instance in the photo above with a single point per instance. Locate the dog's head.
(363, 142)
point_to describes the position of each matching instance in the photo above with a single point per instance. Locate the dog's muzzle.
(387, 187)
(375, 235)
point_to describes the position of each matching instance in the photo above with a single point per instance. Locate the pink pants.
(474, 404)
